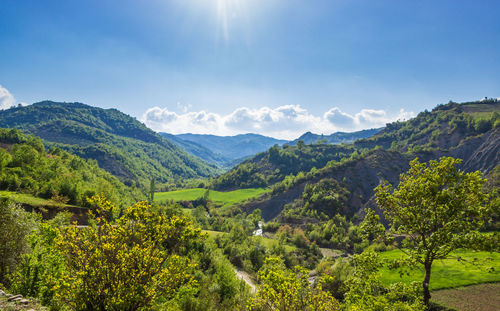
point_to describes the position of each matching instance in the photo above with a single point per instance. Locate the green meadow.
(473, 268)
(226, 198)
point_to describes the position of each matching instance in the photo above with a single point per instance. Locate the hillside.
(30, 173)
(199, 151)
(119, 143)
(335, 138)
(233, 147)
(470, 131)
(269, 167)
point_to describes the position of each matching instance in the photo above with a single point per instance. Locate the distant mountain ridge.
(335, 138)
(118, 142)
(233, 147)
(198, 150)
(226, 151)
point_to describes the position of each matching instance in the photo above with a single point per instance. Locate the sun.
(229, 11)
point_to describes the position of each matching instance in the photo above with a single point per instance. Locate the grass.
(23, 198)
(269, 243)
(449, 273)
(226, 198)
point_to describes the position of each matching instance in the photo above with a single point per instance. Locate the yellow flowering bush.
(125, 265)
(290, 290)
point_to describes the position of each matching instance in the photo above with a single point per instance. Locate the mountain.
(233, 147)
(198, 150)
(119, 143)
(335, 138)
(470, 131)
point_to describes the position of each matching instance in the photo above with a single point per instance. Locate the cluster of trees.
(25, 166)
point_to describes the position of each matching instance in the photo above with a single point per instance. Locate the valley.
(314, 204)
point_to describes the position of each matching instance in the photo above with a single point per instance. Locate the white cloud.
(288, 121)
(6, 98)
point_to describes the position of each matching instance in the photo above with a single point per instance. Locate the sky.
(273, 67)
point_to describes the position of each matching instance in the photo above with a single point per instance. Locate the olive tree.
(438, 207)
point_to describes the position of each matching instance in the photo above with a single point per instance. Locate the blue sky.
(275, 67)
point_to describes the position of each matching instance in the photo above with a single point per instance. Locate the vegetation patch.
(461, 269)
(230, 197)
(28, 199)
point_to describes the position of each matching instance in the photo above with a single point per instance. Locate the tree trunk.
(425, 283)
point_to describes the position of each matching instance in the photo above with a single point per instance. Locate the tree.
(152, 189)
(15, 226)
(365, 291)
(439, 208)
(290, 290)
(125, 265)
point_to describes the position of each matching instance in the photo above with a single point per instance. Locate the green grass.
(449, 273)
(269, 243)
(213, 234)
(23, 198)
(226, 198)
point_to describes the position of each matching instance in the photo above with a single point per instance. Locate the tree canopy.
(438, 207)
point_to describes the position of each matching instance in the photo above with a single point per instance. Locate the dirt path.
(246, 277)
(482, 297)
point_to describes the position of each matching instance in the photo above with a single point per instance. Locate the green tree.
(366, 292)
(152, 189)
(125, 265)
(283, 289)
(15, 226)
(439, 207)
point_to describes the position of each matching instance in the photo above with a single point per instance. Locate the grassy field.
(23, 198)
(483, 297)
(450, 273)
(225, 198)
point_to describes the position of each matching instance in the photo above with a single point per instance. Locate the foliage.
(15, 226)
(37, 272)
(327, 196)
(127, 265)
(439, 207)
(283, 289)
(366, 292)
(27, 167)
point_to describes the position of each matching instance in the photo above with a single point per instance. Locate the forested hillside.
(269, 167)
(470, 131)
(119, 143)
(27, 167)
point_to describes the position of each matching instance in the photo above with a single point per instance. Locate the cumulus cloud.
(287, 122)
(6, 98)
